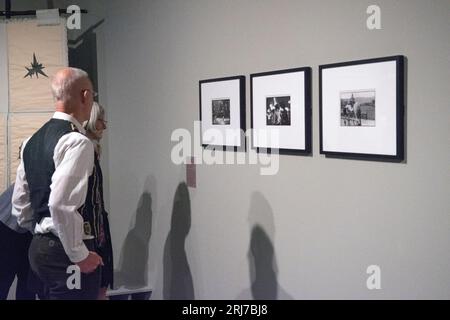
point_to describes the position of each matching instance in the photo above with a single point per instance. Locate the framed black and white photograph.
(281, 111)
(361, 109)
(278, 111)
(358, 108)
(222, 112)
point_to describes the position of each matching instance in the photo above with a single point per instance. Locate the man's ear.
(84, 94)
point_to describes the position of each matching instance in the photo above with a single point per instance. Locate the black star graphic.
(36, 68)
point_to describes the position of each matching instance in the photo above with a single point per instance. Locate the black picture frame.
(299, 127)
(233, 95)
(373, 82)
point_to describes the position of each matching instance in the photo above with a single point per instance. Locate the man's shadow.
(263, 267)
(133, 264)
(178, 284)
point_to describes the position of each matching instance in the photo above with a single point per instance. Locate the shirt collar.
(68, 117)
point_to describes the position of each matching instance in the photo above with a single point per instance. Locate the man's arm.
(74, 161)
(21, 205)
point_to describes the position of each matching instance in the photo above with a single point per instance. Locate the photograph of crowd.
(278, 111)
(358, 108)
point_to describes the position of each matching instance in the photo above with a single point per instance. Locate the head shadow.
(263, 268)
(133, 263)
(178, 284)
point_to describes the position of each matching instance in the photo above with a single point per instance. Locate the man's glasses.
(94, 93)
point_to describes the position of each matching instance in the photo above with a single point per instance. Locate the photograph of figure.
(221, 112)
(278, 111)
(358, 108)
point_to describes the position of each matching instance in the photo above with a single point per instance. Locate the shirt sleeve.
(21, 204)
(74, 161)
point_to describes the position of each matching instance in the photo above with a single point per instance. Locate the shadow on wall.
(133, 262)
(261, 254)
(178, 284)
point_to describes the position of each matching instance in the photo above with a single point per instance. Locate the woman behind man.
(14, 244)
(94, 213)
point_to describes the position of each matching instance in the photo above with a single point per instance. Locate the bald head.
(67, 82)
(72, 91)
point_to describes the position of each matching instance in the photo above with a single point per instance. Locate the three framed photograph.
(361, 109)
(281, 111)
(222, 113)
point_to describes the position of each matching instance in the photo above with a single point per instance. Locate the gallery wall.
(310, 231)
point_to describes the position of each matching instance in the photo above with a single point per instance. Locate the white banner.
(3, 104)
(29, 56)
(35, 53)
(3, 69)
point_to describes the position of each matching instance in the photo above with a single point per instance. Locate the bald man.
(51, 187)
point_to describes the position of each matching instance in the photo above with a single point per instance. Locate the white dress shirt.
(74, 162)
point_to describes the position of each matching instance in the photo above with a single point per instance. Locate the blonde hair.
(97, 112)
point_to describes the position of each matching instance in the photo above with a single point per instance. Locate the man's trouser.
(51, 264)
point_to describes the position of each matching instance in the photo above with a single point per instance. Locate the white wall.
(327, 219)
